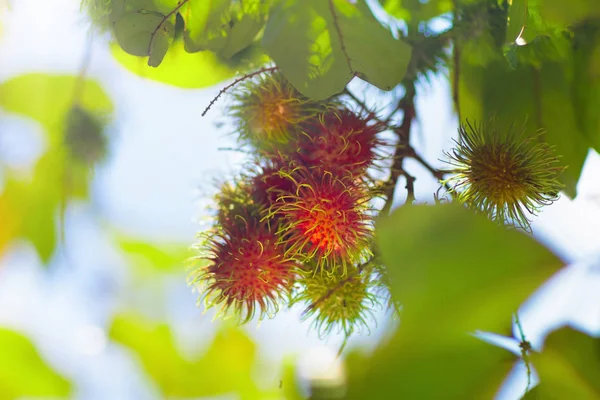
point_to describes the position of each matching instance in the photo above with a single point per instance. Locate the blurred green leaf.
(197, 70)
(221, 26)
(586, 81)
(154, 257)
(289, 381)
(321, 45)
(568, 366)
(456, 271)
(569, 12)
(226, 367)
(415, 11)
(48, 98)
(517, 17)
(38, 200)
(204, 21)
(450, 367)
(23, 373)
(453, 272)
(11, 220)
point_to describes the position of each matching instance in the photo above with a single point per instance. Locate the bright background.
(155, 186)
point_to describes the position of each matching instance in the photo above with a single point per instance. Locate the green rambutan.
(340, 141)
(338, 302)
(324, 219)
(267, 110)
(234, 202)
(85, 138)
(504, 174)
(248, 270)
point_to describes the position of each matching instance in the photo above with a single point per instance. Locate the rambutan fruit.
(267, 110)
(271, 182)
(234, 202)
(504, 174)
(338, 302)
(325, 219)
(340, 141)
(248, 271)
(85, 137)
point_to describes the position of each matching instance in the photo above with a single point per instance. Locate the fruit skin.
(338, 302)
(504, 175)
(324, 220)
(341, 142)
(247, 269)
(267, 111)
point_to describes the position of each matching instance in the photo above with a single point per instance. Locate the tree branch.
(235, 82)
(403, 150)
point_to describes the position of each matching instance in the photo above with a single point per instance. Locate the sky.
(163, 161)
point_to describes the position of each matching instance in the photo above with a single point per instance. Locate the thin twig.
(162, 22)
(525, 347)
(235, 82)
(83, 69)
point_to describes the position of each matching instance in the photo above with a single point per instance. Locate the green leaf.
(569, 12)
(517, 17)
(154, 257)
(198, 70)
(48, 99)
(568, 366)
(204, 21)
(454, 271)
(321, 45)
(226, 367)
(449, 367)
(242, 33)
(586, 81)
(145, 33)
(223, 26)
(56, 178)
(23, 373)
(415, 11)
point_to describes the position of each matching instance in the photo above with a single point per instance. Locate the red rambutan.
(340, 142)
(324, 219)
(272, 183)
(248, 270)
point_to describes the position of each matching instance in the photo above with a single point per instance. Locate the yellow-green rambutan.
(504, 174)
(338, 302)
(267, 110)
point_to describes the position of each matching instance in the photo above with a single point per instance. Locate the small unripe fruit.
(504, 174)
(267, 111)
(338, 302)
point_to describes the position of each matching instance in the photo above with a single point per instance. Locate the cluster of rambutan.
(298, 227)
